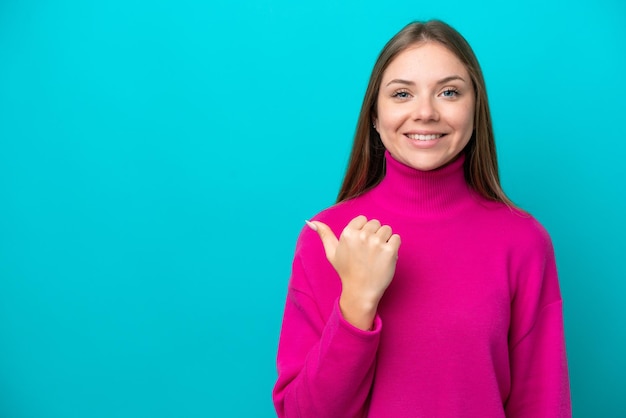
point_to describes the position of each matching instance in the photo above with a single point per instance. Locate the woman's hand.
(365, 258)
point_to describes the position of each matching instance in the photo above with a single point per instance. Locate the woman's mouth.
(421, 137)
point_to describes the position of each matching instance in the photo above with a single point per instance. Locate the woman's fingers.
(376, 233)
(394, 242)
(359, 230)
(371, 226)
(329, 240)
(384, 233)
(357, 223)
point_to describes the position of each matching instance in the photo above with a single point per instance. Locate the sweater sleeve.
(539, 376)
(325, 366)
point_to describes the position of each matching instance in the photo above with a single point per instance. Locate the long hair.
(366, 167)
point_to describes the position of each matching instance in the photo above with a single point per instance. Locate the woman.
(439, 298)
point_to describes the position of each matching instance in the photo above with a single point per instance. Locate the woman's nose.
(425, 109)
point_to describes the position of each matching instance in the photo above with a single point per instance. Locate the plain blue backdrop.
(158, 159)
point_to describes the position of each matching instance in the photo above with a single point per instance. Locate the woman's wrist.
(358, 312)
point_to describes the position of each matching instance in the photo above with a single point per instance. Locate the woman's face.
(425, 106)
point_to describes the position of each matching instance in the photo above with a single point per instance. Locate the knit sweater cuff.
(371, 333)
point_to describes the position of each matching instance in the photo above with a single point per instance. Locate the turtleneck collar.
(405, 190)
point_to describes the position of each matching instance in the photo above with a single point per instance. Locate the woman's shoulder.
(339, 214)
(519, 225)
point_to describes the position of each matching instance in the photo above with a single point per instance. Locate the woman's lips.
(424, 137)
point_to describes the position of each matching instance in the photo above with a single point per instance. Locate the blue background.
(158, 159)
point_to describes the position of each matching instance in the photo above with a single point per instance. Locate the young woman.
(423, 292)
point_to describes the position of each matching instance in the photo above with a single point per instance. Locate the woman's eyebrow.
(399, 81)
(451, 78)
(410, 83)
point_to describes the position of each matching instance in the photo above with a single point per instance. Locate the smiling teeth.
(424, 137)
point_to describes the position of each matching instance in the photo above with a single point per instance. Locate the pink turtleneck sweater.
(471, 325)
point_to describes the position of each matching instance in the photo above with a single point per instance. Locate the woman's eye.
(401, 94)
(450, 93)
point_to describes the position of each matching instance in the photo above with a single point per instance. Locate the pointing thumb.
(329, 240)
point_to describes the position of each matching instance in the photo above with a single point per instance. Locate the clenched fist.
(364, 257)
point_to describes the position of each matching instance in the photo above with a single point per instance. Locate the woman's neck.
(438, 192)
